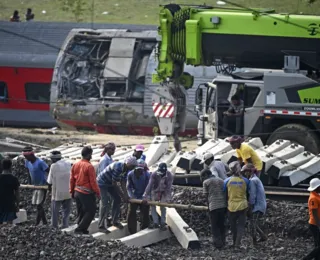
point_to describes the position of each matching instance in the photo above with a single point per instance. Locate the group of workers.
(233, 193)
(236, 197)
(113, 183)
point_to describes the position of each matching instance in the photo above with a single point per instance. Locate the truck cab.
(273, 107)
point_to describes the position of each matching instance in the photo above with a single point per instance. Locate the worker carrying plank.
(159, 189)
(137, 182)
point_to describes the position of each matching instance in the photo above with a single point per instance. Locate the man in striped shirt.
(105, 204)
(112, 181)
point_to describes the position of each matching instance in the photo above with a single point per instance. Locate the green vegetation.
(129, 11)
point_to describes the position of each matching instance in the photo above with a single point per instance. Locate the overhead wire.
(152, 91)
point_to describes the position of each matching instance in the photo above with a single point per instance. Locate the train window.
(37, 92)
(3, 92)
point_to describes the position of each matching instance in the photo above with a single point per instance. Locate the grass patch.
(134, 11)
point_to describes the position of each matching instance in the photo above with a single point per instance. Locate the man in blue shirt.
(106, 203)
(112, 181)
(38, 171)
(257, 202)
(137, 183)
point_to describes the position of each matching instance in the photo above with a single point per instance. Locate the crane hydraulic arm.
(244, 38)
(226, 39)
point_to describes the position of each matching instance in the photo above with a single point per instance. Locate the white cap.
(314, 184)
(206, 156)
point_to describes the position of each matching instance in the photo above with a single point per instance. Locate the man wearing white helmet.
(108, 182)
(314, 218)
(218, 168)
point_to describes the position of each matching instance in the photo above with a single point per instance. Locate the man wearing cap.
(257, 202)
(237, 191)
(314, 218)
(137, 183)
(159, 189)
(38, 171)
(112, 182)
(106, 160)
(218, 168)
(84, 189)
(138, 152)
(59, 176)
(217, 203)
(245, 153)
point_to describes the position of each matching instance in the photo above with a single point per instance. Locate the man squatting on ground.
(217, 203)
(9, 194)
(237, 192)
(159, 189)
(314, 218)
(137, 183)
(106, 201)
(257, 202)
(84, 189)
(112, 182)
(59, 184)
(38, 171)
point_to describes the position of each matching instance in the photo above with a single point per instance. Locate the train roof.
(37, 44)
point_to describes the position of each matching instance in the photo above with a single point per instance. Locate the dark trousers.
(237, 224)
(41, 214)
(132, 217)
(86, 208)
(218, 229)
(315, 253)
(254, 226)
(115, 214)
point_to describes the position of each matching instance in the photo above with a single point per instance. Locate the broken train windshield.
(94, 67)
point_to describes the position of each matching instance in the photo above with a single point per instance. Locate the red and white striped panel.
(294, 113)
(163, 110)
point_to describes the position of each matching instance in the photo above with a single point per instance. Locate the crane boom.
(227, 39)
(210, 36)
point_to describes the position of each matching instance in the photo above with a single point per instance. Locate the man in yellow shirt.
(237, 190)
(245, 153)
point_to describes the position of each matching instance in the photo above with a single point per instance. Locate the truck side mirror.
(198, 99)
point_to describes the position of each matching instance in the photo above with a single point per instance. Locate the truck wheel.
(300, 134)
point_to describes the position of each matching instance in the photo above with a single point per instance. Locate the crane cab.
(231, 107)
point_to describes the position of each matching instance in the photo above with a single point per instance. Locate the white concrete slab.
(93, 228)
(277, 146)
(184, 234)
(22, 217)
(186, 160)
(116, 233)
(283, 154)
(280, 167)
(166, 158)
(303, 172)
(172, 167)
(146, 237)
(159, 146)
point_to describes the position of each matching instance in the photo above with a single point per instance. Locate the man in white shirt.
(59, 179)
(218, 168)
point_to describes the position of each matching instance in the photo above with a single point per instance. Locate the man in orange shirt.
(84, 189)
(314, 220)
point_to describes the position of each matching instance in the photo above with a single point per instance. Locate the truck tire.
(297, 133)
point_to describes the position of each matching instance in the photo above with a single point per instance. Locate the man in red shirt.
(314, 218)
(84, 189)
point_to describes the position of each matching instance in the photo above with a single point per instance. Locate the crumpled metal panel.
(118, 64)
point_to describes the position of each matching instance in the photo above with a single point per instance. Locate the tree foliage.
(77, 7)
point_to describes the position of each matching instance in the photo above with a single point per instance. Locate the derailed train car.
(103, 81)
